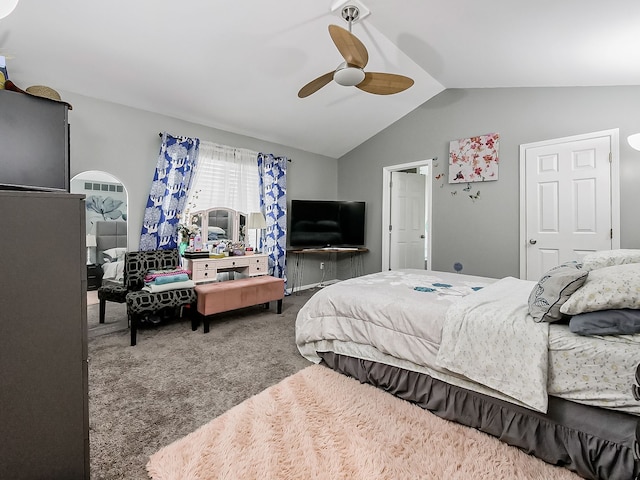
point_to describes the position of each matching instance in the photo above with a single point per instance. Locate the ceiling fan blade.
(315, 85)
(352, 49)
(384, 83)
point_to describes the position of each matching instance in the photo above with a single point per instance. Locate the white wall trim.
(614, 135)
(386, 207)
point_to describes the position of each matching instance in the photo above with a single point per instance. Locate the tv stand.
(354, 257)
(329, 249)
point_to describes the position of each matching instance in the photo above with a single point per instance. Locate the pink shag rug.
(319, 424)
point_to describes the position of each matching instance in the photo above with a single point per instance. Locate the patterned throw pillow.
(607, 289)
(553, 289)
(608, 258)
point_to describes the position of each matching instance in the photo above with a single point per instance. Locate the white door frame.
(386, 206)
(614, 135)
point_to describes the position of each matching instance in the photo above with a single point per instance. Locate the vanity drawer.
(230, 262)
(205, 265)
(203, 274)
(258, 266)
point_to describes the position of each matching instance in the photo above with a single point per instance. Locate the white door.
(407, 226)
(568, 200)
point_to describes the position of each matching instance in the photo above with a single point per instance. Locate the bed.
(111, 245)
(478, 351)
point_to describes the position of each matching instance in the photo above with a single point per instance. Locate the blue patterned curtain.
(168, 196)
(273, 204)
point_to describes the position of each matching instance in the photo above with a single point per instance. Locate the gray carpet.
(115, 319)
(175, 380)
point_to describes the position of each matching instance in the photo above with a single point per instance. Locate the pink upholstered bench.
(220, 297)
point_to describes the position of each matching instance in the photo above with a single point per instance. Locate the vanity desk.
(207, 269)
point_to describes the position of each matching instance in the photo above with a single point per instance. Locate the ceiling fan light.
(348, 76)
(634, 141)
(7, 6)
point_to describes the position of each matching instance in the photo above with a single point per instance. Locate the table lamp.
(256, 222)
(91, 243)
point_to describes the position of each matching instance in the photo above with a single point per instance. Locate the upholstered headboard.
(110, 235)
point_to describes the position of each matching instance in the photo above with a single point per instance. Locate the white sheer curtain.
(225, 177)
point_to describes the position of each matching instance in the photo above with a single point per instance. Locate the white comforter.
(389, 311)
(401, 318)
(489, 338)
(113, 271)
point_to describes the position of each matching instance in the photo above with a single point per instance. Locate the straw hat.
(44, 92)
(37, 91)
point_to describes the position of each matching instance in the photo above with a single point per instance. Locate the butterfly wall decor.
(474, 159)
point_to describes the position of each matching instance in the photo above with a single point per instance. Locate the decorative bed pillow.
(608, 258)
(114, 254)
(553, 289)
(607, 288)
(606, 322)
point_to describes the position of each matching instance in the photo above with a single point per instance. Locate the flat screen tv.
(34, 143)
(326, 223)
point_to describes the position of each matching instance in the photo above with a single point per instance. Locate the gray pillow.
(624, 321)
(553, 289)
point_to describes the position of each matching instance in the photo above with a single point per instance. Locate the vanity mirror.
(106, 197)
(221, 224)
(106, 203)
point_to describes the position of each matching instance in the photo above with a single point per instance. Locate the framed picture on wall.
(474, 159)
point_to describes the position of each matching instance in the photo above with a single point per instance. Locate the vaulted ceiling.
(238, 65)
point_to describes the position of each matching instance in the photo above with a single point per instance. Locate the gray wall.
(124, 142)
(484, 235)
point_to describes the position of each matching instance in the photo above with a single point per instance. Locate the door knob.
(421, 236)
(533, 242)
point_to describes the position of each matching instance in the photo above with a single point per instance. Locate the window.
(225, 177)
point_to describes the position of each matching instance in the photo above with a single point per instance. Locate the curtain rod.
(160, 134)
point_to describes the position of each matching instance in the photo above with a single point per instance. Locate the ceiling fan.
(350, 73)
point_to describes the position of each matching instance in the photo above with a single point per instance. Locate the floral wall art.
(101, 208)
(104, 200)
(474, 159)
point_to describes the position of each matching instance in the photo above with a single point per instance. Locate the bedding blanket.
(484, 329)
(400, 313)
(168, 286)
